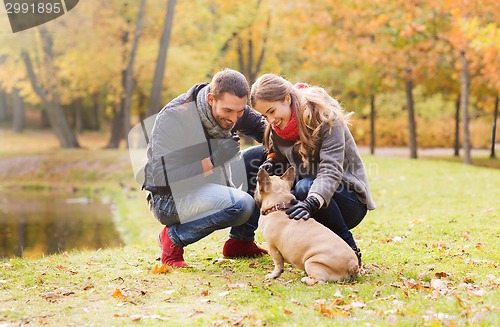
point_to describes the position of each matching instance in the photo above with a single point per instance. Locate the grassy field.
(431, 253)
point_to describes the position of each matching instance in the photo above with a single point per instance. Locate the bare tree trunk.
(141, 105)
(4, 114)
(494, 129)
(129, 80)
(18, 116)
(457, 128)
(464, 103)
(116, 128)
(372, 124)
(154, 101)
(78, 116)
(96, 112)
(44, 119)
(117, 124)
(412, 126)
(55, 112)
(121, 123)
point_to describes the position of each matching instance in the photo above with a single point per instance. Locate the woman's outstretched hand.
(303, 209)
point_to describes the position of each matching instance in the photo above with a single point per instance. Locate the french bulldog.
(306, 244)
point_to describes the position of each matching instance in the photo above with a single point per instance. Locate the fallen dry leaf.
(70, 270)
(442, 274)
(162, 270)
(411, 283)
(387, 298)
(439, 287)
(334, 312)
(119, 295)
(339, 302)
(253, 264)
(440, 245)
(468, 280)
(42, 321)
(195, 312)
(223, 260)
(50, 295)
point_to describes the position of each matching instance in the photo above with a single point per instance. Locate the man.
(192, 156)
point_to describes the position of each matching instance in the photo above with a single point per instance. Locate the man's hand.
(225, 150)
(303, 209)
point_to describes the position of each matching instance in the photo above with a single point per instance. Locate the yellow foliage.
(436, 133)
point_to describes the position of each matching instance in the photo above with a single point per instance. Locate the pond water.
(37, 223)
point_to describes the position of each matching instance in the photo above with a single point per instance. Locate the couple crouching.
(198, 182)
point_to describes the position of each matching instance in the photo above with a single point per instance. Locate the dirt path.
(405, 152)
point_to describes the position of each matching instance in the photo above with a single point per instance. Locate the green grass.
(430, 249)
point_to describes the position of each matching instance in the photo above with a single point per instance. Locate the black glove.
(268, 166)
(226, 150)
(303, 209)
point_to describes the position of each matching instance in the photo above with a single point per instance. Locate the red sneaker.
(171, 254)
(238, 248)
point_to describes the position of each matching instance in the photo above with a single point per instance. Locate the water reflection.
(36, 223)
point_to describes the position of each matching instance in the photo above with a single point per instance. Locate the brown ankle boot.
(171, 254)
(238, 248)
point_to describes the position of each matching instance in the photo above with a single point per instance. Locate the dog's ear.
(263, 180)
(289, 176)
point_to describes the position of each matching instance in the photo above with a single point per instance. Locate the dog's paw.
(308, 280)
(271, 276)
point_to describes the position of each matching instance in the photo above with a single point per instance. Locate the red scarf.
(291, 130)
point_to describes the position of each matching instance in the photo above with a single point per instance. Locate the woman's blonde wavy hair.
(313, 108)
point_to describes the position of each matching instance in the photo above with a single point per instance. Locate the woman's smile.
(277, 123)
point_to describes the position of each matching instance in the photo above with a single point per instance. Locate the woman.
(308, 129)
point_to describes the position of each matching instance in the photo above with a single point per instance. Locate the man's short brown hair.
(230, 81)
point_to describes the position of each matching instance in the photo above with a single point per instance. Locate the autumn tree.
(461, 16)
(48, 91)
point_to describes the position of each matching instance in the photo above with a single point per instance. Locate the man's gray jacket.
(179, 143)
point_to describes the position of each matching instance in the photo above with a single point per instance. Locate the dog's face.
(272, 189)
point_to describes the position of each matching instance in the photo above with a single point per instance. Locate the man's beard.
(223, 124)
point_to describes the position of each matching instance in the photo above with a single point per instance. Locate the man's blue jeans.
(212, 207)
